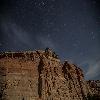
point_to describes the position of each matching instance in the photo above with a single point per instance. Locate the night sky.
(70, 27)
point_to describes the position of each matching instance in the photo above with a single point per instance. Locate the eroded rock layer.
(40, 75)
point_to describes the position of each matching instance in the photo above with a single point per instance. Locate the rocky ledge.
(40, 75)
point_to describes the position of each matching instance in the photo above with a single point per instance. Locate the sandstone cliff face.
(94, 87)
(40, 75)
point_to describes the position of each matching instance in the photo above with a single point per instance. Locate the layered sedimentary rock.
(40, 75)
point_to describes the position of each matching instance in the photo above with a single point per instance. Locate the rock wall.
(40, 75)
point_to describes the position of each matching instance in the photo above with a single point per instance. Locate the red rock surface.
(40, 75)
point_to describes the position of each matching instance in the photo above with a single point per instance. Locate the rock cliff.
(40, 75)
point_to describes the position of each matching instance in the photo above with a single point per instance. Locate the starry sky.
(70, 27)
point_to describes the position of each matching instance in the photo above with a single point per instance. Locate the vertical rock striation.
(40, 75)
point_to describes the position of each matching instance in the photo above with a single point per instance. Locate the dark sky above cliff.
(70, 27)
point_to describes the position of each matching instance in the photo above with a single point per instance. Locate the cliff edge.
(40, 75)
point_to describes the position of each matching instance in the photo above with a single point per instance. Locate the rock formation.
(40, 75)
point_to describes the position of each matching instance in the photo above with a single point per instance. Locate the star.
(92, 35)
(75, 45)
(48, 35)
(64, 24)
(81, 53)
(42, 3)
